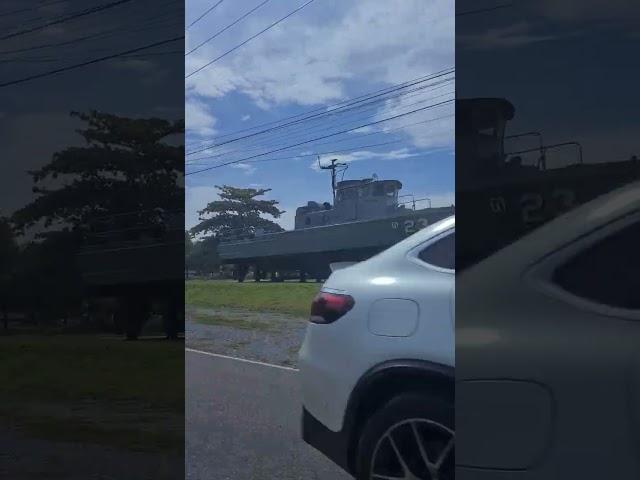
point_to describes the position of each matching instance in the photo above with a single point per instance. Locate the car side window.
(607, 273)
(441, 253)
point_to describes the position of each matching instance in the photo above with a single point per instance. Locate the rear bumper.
(334, 445)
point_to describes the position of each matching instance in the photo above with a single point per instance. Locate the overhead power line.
(30, 9)
(348, 139)
(88, 62)
(65, 19)
(316, 115)
(49, 45)
(227, 27)
(14, 12)
(315, 154)
(156, 22)
(248, 40)
(329, 107)
(314, 130)
(204, 14)
(321, 138)
(484, 10)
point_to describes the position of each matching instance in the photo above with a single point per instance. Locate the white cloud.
(399, 154)
(513, 36)
(288, 219)
(431, 128)
(244, 118)
(306, 61)
(247, 168)
(198, 119)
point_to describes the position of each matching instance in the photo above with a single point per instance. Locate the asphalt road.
(243, 423)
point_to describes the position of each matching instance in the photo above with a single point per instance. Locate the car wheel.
(410, 438)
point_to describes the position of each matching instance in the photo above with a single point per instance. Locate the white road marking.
(245, 360)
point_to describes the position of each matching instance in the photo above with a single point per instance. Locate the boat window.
(390, 190)
(349, 193)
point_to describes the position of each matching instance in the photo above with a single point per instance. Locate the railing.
(542, 159)
(414, 200)
(244, 233)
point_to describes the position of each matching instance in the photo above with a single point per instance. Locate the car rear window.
(441, 253)
(608, 273)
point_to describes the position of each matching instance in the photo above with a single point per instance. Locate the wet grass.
(291, 298)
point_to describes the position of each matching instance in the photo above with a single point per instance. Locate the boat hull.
(311, 248)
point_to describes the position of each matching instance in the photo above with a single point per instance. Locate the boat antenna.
(333, 167)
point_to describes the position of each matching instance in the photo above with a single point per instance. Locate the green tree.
(128, 171)
(238, 211)
(188, 244)
(126, 166)
(204, 256)
(8, 258)
(47, 284)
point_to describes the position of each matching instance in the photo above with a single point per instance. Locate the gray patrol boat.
(366, 217)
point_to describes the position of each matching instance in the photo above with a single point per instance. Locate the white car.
(548, 350)
(377, 362)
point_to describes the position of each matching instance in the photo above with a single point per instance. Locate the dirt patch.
(263, 336)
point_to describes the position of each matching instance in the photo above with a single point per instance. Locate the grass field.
(94, 389)
(289, 297)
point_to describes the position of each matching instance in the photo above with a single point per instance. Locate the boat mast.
(333, 167)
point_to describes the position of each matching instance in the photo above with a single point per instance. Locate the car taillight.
(329, 307)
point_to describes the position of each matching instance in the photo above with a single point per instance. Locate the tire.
(431, 416)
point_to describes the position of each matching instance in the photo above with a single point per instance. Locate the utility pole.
(333, 167)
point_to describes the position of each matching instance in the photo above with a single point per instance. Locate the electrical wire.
(30, 9)
(204, 14)
(156, 22)
(68, 18)
(315, 154)
(325, 113)
(328, 107)
(199, 69)
(226, 28)
(315, 130)
(88, 62)
(360, 136)
(323, 137)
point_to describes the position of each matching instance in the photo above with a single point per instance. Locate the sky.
(35, 119)
(564, 66)
(328, 52)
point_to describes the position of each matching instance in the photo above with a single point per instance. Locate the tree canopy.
(8, 247)
(203, 257)
(239, 210)
(125, 166)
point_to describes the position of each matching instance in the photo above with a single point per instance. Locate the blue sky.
(34, 116)
(328, 52)
(564, 67)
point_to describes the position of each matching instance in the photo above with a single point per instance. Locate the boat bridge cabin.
(356, 200)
